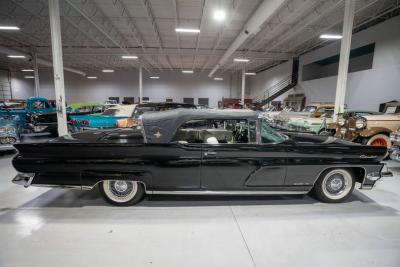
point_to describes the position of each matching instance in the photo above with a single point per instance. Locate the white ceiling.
(96, 33)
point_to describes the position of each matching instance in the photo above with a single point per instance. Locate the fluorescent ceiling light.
(187, 71)
(219, 15)
(29, 77)
(10, 28)
(218, 79)
(27, 70)
(91, 77)
(154, 77)
(250, 73)
(241, 60)
(330, 36)
(16, 56)
(187, 30)
(107, 70)
(130, 57)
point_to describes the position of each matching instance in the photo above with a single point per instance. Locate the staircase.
(281, 87)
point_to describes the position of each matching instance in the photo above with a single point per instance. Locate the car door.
(174, 166)
(243, 166)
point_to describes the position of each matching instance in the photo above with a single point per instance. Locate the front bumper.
(373, 177)
(24, 179)
(394, 153)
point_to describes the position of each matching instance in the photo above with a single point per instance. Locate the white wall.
(125, 83)
(365, 89)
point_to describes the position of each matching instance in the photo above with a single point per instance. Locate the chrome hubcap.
(120, 186)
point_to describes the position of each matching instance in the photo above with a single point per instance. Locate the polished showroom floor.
(54, 227)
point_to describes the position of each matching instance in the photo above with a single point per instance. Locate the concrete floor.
(54, 227)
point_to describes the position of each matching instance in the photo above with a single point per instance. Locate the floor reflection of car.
(189, 151)
(151, 107)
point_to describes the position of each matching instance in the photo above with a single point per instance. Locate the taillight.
(72, 121)
(84, 123)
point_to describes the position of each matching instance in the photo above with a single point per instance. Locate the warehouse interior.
(264, 55)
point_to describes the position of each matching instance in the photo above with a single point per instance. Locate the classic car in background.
(47, 122)
(107, 119)
(288, 120)
(150, 107)
(189, 151)
(27, 111)
(324, 125)
(395, 149)
(9, 132)
(371, 130)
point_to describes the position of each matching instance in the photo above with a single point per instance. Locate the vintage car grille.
(7, 140)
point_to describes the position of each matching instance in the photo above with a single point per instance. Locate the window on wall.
(145, 99)
(360, 59)
(203, 101)
(188, 100)
(169, 100)
(128, 100)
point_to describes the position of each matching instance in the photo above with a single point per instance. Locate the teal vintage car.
(26, 111)
(107, 119)
(318, 125)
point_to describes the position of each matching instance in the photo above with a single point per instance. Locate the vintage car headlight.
(341, 121)
(361, 123)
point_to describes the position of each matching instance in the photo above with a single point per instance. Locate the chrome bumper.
(24, 179)
(394, 153)
(6, 147)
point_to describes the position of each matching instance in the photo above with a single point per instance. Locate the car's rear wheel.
(122, 192)
(334, 185)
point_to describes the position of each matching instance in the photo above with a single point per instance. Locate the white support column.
(56, 46)
(344, 57)
(243, 84)
(140, 84)
(36, 73)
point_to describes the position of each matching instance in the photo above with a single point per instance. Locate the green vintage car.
(318, 125)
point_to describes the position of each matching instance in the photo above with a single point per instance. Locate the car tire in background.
(379, 140)
(334, 185)
(122, 192)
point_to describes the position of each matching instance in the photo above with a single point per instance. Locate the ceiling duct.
(264, 12)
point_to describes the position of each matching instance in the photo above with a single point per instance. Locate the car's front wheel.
(334, 185)
(122, 192)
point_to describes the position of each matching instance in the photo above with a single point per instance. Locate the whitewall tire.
(122, 192)
(334, 185)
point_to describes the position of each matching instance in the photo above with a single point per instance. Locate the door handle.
(210, 153)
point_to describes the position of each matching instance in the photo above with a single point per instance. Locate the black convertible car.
(187, 151)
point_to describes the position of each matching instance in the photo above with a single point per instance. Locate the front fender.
(374, 131)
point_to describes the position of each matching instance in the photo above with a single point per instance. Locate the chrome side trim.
(229, 192)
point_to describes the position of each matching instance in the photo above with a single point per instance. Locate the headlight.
(2, 130)
(360, 123)
(341, 121)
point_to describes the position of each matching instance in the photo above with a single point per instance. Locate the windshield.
(269, 135)
(309, 109)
